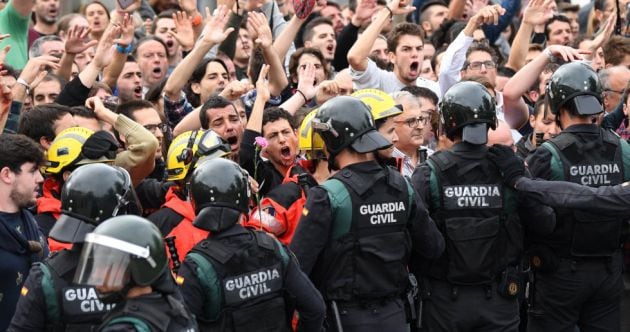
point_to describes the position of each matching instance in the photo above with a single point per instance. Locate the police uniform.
(150, 312)
(578, 267)
(580, 279)
(358, 229)
(247, 301)
(239, 279)
(476, 284)
(367, 286)
(50, 301)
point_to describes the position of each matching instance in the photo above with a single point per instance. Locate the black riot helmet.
(219, 193)
(576, 87)
(92, 194)
(470, 107)
(346, 121)
(122, 252)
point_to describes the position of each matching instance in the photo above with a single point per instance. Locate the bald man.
(501, 135)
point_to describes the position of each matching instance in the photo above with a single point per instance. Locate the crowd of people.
(337, 165)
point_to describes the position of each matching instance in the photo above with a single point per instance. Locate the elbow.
(354, 60)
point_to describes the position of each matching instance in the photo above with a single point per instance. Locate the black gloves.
(100, 144)
(512, 167)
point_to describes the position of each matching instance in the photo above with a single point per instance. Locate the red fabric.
(277, 220)
(186, 235)
(49, 203)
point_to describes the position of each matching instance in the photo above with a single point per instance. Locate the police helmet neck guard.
(92, 194)
(219, 192)
(469, 108)
(575, 87)
(122, 252)
(346, 122)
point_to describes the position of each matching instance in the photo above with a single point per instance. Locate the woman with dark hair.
(98, 18)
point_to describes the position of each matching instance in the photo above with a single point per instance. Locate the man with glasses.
(409, 128)
(146, 115)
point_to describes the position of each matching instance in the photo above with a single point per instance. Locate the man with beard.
(129, 83)
(93, 193)
(46, 14)
(405, 52)
(152, 56)
(22, 242)
(220, 115)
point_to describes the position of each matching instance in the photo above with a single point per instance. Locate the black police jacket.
(155, 312)
(51, 301)
(382, 222)
(587, 155)
(239, 279)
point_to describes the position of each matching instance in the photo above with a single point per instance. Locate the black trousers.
(586, 293)
(388, 316)
(468, 308)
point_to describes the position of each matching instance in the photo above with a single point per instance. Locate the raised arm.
(516, 112)
(213, 34)
(358, 54)
(23, 7)
(534, 14)
(277, 77)
(262, 96)
(285, 39)
(113, 70)
(74, 43)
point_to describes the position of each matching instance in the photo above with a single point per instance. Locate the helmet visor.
(103, 267)
(105, 262)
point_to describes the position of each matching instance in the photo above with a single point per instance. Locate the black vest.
(368, 253)
(79, 308)
(251, 270)
(476, 215)
(593, 160)
(159, 312)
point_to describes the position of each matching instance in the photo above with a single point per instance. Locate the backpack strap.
(341, 205)
(138, 324)
(434, 185)
(557, 167)
(207, 276)
(53, 312)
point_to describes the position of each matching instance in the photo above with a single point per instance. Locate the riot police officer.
(50, 300)
(476, 283)
(239, 279)
(125, 260)
(359, 228)
(578, 278)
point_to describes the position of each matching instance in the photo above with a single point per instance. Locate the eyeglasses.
(413, 122)
(615, 91)
(162, 126)
(477, 65)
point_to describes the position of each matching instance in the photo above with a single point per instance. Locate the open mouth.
(285, 152)
(415, 65)
(137, 91)
(330, 48)
(232, 140)
(170, 43)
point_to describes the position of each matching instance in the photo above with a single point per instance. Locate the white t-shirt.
(376, 78)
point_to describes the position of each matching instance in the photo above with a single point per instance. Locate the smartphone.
(124, 4)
